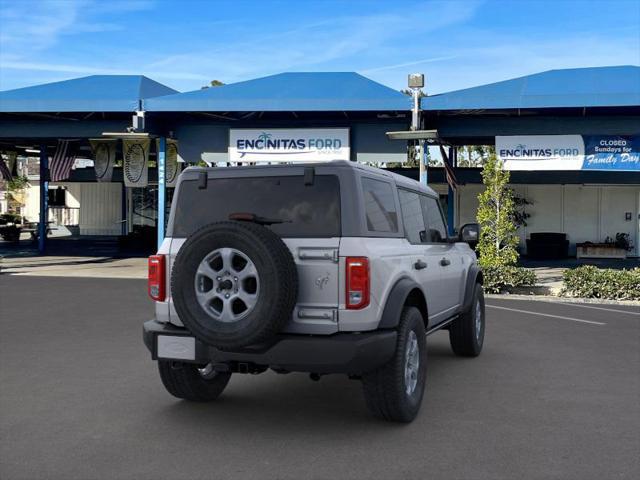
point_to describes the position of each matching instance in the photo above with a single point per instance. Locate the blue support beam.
(162, 187)
(44, 200)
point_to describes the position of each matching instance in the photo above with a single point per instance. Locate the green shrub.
(500, 277)
(592, 282)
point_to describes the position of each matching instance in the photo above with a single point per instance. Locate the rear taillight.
(156, 282)
(357, 293)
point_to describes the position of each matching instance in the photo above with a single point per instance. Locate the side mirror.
(470, 233)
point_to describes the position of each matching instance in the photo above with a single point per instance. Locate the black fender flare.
(396, 300)
(474, 275)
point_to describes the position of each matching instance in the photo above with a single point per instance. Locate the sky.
(185, 44)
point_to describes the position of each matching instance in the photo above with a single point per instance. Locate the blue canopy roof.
(577, 87)
(96, 93)
(307, 91)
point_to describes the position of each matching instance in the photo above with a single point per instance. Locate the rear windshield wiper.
(252, 217)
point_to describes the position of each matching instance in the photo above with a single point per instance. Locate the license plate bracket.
(176, 347)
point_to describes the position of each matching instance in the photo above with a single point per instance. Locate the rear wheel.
(466, 333)
(192, 382)
(394, 391)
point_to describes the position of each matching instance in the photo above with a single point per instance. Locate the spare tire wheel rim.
(227, 285)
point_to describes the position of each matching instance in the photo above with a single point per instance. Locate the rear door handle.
(419, 265)
(445, 261)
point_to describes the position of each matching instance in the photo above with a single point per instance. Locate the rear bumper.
(351, 353)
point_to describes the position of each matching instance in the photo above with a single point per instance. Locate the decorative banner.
(172, 166)
(104, 157)
(609, 152)
(135, 153)
(289, 145)
(541, 152)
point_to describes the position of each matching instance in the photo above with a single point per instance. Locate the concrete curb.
(556, 299)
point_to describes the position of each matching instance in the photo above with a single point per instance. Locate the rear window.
(306, 210)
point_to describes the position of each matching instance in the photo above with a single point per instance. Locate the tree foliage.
(213, 83)
(496, 211)
(474, 155)
(15, 194)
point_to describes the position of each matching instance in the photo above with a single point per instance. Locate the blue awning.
(577, 87)
(96, 93)
(288, 92)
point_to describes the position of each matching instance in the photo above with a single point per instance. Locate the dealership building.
(571, 139)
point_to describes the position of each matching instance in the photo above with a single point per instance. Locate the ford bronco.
(320, 268)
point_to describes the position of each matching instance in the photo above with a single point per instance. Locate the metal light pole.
(416, 83)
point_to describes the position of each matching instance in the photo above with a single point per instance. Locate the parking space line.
(597, 308)
(546, 315)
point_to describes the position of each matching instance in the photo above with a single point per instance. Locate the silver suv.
(323, 268)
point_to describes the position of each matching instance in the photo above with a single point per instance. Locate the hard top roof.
(400, 180)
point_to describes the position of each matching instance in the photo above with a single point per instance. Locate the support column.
(424, 158)
(44, 199)
(162, 187)
(453, 159)
(124, 231)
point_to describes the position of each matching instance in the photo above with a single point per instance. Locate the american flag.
(62, 161)
(4, 170)
(448, 170)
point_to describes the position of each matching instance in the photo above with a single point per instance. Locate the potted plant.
(617, 247)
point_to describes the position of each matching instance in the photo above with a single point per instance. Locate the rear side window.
(305, 210)
(436, 230)
(412, 217)
(380, 206)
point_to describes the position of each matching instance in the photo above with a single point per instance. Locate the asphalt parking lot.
(555, 394)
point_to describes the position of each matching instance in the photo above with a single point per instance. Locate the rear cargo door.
(318, 284)
(303, 212)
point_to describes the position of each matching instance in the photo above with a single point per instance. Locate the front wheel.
(394, 391)
(192, 382)
(466, 333)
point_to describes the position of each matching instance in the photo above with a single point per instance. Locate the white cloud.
(499, 58)
(436, 37)
(314, 46)
(31, 27)
(89, 70)
(408, 64)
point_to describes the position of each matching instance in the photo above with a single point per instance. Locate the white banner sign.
(104, 156)
(541, 152)
(289, 145)
(136, 162)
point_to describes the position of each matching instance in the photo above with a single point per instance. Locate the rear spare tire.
(234, 284)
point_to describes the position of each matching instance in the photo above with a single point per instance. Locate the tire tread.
(384, 387)
(462, 330)
(185, 382)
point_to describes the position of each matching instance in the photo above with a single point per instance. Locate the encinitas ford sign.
(569, 152)
(289, 145)
(541, 152)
